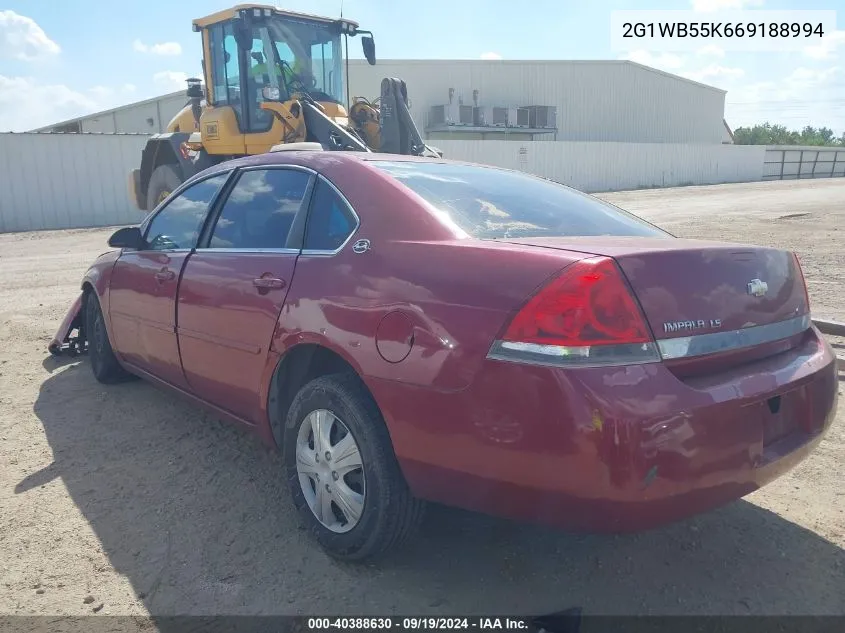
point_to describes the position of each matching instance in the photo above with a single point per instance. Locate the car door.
(235, 283)
(142, 291)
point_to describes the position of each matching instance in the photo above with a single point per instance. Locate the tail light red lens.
(587, 315)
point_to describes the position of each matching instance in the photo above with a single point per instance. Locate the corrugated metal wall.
(52, 181)
(790, 162)
(56, 181)
(596, 100)
(612, 100)
(595, 167)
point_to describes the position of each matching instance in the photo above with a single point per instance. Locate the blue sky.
(64, 59)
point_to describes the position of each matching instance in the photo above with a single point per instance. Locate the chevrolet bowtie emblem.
(757, 288)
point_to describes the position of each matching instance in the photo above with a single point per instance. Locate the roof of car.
(316, 160)
(323, 161)
(304, 155)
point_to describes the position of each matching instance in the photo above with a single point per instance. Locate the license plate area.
(785, 414)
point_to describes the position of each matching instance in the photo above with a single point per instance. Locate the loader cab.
(255, 55)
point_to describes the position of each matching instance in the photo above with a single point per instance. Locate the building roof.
(102, 113)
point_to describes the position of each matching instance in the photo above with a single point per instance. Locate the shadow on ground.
(194, 513)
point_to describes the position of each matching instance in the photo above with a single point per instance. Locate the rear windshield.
(489, 203)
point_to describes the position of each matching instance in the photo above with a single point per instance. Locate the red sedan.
(419, 329)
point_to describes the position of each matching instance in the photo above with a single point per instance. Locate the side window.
(322, 66)
(224, 55)
(178, 225)
(330, 222)
(260, 210)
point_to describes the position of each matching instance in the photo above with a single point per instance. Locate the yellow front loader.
(272, 77)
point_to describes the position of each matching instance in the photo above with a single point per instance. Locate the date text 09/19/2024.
(419, 624)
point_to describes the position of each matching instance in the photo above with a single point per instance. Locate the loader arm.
(399, 133)
(325, 131)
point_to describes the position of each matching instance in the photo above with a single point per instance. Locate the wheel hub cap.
(330, 470)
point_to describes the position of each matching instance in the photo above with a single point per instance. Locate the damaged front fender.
(70, 338)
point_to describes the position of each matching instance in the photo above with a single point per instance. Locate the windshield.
(491, 203)
(307, 56)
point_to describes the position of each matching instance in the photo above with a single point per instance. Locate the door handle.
(165, 275)
(268, 283)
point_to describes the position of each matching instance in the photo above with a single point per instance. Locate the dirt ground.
(126, 500)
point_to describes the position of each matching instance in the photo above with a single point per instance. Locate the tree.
(768, 134)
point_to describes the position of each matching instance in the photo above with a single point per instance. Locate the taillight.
(585, 316)
(803, 280)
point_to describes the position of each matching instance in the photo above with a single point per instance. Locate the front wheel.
(342, 472)
(104, 364)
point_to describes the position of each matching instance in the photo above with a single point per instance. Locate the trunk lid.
(692, 287)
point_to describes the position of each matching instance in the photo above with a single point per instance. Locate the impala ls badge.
(692, 324)
(757, 288)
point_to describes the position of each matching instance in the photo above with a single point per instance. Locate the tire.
(389, 513)
(104, 364)
(163, 181)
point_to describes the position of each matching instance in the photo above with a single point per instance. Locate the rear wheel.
(104, 364)
(163, 181)
(342, 472)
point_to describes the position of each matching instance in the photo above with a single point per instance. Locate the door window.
(177, 225)
(330, 222)
(260, 211)
(224, 54)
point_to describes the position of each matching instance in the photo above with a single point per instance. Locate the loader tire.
(104, 364)
(164, 181)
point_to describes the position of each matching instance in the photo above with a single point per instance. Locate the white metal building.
(618, 101)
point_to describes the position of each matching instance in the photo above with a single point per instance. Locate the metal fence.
(790, 162)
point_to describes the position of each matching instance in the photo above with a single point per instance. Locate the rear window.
(489, 203)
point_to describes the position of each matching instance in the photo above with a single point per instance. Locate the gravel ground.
(126, 500)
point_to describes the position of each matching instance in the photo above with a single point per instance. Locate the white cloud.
(714, 71)
(826, 49)
(663, 61)
(711, 50)
(806, 96)
(22, 38)
(724, 5)
(810, 77)
(164, 48)
(490, 55)
(170, 80)
(26, 103)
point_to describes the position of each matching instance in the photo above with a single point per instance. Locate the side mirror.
(369, 46)
(127, 237)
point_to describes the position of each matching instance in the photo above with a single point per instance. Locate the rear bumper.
(612, 449)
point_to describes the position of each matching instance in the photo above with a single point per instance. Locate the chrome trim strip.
(248, 251)
(572, 357)
(702, 344)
